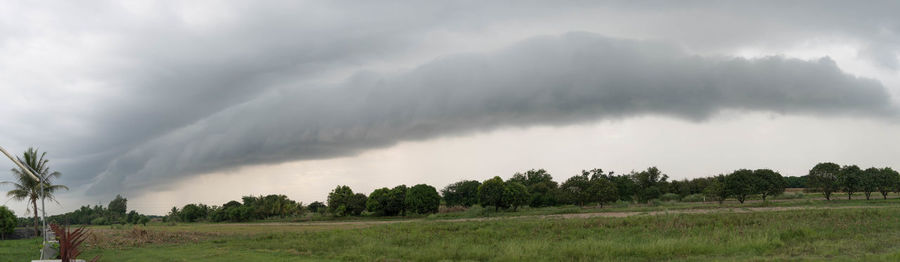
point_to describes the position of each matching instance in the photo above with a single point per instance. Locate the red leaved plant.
(69, 241)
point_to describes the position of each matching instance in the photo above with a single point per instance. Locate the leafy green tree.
(423, 199)
(849, 179)
(7, 222)
(888, 179)
(25, 187)
(132, 217)
(650, 183)
(769, 183)
(397, 201)
(144, 220)
(191, 213)
(604, 191)
(868, 181)
(740, 184)
(378, 201)
(716, 189)
(316, 207)
(796, 181)
(516, 195)
(490, 193)
(462, 193)
(343, 202)
(577, 189)
(540, 186)
(824, 177)
(118, 206)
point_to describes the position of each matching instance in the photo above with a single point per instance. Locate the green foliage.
(577, 189)
(7, 222)
(191, 213)
(868, 181)
(339, 201)
(849, 179)
(604, 191)
(316, 207)
(887, 180)
(768, 183)
(796, 181)
(741, 183)
(694, 198)
(516, 195)
(540, 186)
(27, 188)
(397, 201)
(716, 190)
(490, 193)
(824, 178)
(423, 199)
(651, 183)
(462, 193)
(670, 197)
(118, 206)
(99, 221)
(378, 201)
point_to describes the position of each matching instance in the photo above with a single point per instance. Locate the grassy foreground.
(814, 234)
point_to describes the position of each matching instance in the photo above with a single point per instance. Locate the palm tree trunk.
(34, 204)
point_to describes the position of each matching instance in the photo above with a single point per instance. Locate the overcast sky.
(168, 103)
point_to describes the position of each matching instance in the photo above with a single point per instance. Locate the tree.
(540, 186)
(650, 183)
(316, 207)
(462, 193)
(849, 179)
(716, 189)
(7, 222)
(143, 220)
(490, 193)
(516, 194)
(26, 187)
(378, 200)
(868, 181)
(824, 177)
(577, 189)
(769, 183)
(888, 179)
(343, 202)
(118, 206)
(191, 213)
(133, 217)
(423, 199)
(397, 201)
(741, 183)
(604, 191)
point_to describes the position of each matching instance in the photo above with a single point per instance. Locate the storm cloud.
(548, 80)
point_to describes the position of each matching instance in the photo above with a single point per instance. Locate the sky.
(176, 102)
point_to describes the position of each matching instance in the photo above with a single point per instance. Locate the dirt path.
(563, 216)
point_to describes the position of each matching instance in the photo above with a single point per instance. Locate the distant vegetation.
(532, 188)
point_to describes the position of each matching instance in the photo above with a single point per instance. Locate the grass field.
(839, 230)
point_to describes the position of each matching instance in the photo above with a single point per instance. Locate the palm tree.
(26, 187)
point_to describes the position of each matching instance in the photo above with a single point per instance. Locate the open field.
(844, 230)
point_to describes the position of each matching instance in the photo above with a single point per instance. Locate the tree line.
(532, 188)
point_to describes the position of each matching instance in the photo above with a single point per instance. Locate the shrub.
(516, 194)
(99, 221)
(490, 193)
(423, 199)
(670, 197)
(342, 202)
(694, 198)
(7, 222)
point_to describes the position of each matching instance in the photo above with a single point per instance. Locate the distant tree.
(462, 193)
(316, 207)
(796, 181)
(577, 189)
(824, 177)
(868, 181)
(26, 188)
(516, 194)
(540, 185)
(888, 179)
(490, 193)
(716, 189)
(357, 204)
(339, 201)
(172, 216)
(378, 201)
(191, 213)
(650, 183)
(740, 184)
(144, 220)
(231, 204)
(604, 191)
(849, 179)
(133, 217)
(769, 183)
(7, 222)
(397, 201)
(423, 199)
(118, 206)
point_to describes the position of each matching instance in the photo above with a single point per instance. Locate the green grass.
(842, 234)
(20, 250)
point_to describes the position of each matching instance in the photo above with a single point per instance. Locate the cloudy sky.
(206, 101)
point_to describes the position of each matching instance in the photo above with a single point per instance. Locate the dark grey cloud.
(550, 80)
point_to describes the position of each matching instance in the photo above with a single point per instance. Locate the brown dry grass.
(118, 238)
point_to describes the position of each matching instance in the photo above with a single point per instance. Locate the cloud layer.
(552, 80)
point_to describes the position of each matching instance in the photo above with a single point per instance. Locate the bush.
(423, 199)
(343, 202)
(99, 221)
(793, 195)
(7, 222)
(316, 207)
(670, 197)
(694, 198)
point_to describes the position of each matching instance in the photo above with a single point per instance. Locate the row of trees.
(113, 213)
(251, 208)
(830, 177)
